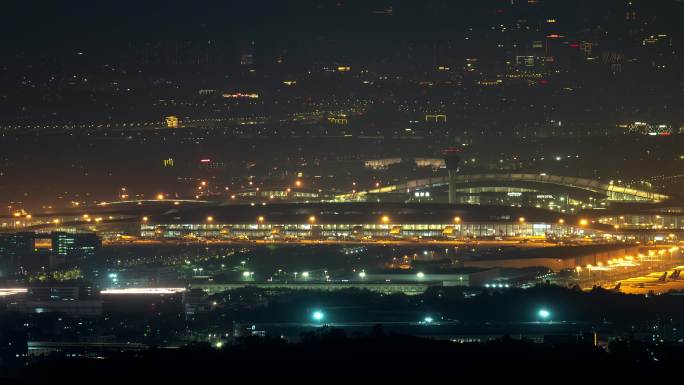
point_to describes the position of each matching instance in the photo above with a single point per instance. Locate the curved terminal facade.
(557, 193)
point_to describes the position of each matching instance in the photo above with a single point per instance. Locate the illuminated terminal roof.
(610, 191)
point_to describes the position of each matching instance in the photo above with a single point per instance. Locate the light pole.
(385, 220)
(457, 221)
(312, 222)
(523, 231)
(260, 222)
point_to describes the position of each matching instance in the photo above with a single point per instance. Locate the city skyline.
(284, 188)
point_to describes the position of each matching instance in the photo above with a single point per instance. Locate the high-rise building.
(13, 247)
(75, 245)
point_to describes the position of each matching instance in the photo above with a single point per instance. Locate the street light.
(523, 232)
(544, 314)
(312, 219)
(583, 222)
(210, 219)
(457, 219)
(260, 219)
(318, 316)
(561, 221)
(385, 219)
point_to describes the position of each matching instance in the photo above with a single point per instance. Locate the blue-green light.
(318, 315)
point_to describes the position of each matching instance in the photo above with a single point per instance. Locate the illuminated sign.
(172, 122)
(42, 243)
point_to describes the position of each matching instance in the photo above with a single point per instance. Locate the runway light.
(318, 316)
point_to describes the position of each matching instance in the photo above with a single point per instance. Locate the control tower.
(452, 159)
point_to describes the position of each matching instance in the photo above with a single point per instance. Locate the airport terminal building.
(363, 221)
